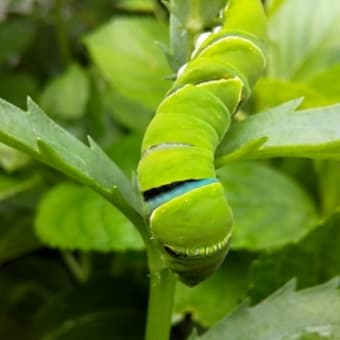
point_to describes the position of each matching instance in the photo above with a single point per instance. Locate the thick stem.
(162, 289)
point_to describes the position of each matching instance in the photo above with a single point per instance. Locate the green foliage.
(284, 133)
(287, 314)
(313, 260)
(73, 217)
(259, 194)
(72, 265)
(59, 98)
(286, 90)
(126, 53)
(303, 39)
(303, 46)
(33, 132)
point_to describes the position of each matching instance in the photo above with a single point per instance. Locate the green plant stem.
(161, 297)
(80, 273)
(61, 30)
(161, 288)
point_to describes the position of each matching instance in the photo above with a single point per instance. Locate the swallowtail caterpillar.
(185, 204)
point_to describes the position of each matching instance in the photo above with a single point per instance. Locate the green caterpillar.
(185, 203)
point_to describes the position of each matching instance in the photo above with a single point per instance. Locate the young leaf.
(59, 98)
(272, 92)
(126, 53)
(259, 194)
(313, 133)
(126, 112)
(36, 134)
(313, 260)
(287, 314)
(76, 218)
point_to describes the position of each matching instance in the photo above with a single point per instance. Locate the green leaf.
(16, 238)
(193, 335)
(212, 299)
(313, 260)
(285, 133)
(304, 38)
(326, 83)
(61, 100)
(126, 53)
(36, 134)
(272, 92)
(126, 112)
(287, 314)
(311, 335)
(259, 194)
(74, 217)
(320, 90)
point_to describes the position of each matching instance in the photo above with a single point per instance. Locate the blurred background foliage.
(70, 263)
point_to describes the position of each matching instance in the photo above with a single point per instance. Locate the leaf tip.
(29, 103)
(333, 283)
(287, 288)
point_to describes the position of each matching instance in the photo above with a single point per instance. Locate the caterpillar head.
(194, 230)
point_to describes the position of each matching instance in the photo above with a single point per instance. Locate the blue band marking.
(178, 191)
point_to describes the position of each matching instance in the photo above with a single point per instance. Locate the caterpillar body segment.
(185, 204)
